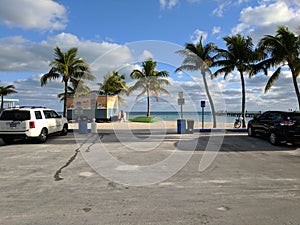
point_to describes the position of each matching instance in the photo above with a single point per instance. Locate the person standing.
(122, 116)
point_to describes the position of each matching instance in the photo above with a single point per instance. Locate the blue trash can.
(181, 126)
(82, 126)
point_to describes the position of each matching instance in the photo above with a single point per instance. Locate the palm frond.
(187, 68)
(52, 75)
(5, 90)
(272, 79)
(141, 94)
(224, 71)
(137, 74)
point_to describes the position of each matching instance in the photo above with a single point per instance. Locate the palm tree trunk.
(210, 100)
(243, 100)
(148, 103)
(2, 103)
(65, 99)
(296, 88)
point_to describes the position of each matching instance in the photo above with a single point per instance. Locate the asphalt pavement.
(69, 180)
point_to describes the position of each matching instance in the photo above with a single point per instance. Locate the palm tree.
(78, 87)
(6, 90)
(114, 84)
(198, 57)
(283, 49)
(150, 81)
(67, 66)
(239, 55)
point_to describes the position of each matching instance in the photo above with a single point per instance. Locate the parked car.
(277, 126)
(31, 123)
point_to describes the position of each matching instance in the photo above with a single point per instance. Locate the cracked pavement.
(249, 182)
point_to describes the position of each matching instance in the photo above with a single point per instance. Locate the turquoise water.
(173, 116)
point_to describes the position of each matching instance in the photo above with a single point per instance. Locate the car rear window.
(15, 115)
(293, 116)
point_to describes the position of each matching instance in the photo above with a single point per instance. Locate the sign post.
(202, 106)
(180, 102)
(181, 123)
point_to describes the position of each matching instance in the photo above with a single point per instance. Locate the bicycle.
(237, 123)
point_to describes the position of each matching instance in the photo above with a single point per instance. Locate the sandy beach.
(157, 125)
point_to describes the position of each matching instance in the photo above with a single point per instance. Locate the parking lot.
(248, 182)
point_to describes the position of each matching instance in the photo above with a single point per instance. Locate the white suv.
(31, 123)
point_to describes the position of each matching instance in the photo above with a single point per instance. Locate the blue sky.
(114, 34)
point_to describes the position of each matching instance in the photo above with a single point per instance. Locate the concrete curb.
(220, 130)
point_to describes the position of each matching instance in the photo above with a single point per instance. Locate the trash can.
(190, 126)
(181, 126)
(82, 126)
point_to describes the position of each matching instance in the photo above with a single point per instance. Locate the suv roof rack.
(32, 107)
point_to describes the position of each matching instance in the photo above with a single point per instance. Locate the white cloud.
(265, 18)
(28, 88)
(145, 55)
(220, 9)
(163, 4)
(242, 1)
(19, 54)
(216, 30)
(169, 4)
(195, 37)
(194, 1)
(265, 15)
(172, 3)
(32, 14)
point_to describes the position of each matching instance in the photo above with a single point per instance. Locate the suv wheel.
(43, 136)
(251, 132)
(273, 138)
(64, 131)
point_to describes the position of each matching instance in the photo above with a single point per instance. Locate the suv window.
(51, 114)
(38, 115)
(19, 115)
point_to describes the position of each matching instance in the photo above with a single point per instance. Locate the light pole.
(202, 106)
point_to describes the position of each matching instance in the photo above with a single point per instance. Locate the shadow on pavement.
(225, 142)
(236, 143)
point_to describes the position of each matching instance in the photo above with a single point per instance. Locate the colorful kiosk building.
(101, 107)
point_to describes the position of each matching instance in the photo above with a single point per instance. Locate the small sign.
(181, 101)
(180, 94)
(202, 104)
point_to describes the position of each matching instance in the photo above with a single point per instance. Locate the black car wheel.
(251, 132)
(273, 138)
(43, 136)
(8, 141)
(64, 131)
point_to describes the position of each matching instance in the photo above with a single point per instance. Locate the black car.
(277, 126)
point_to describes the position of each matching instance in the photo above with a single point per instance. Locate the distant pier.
(247, 114)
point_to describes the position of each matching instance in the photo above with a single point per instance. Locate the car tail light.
(287, 123)
(31, 124)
